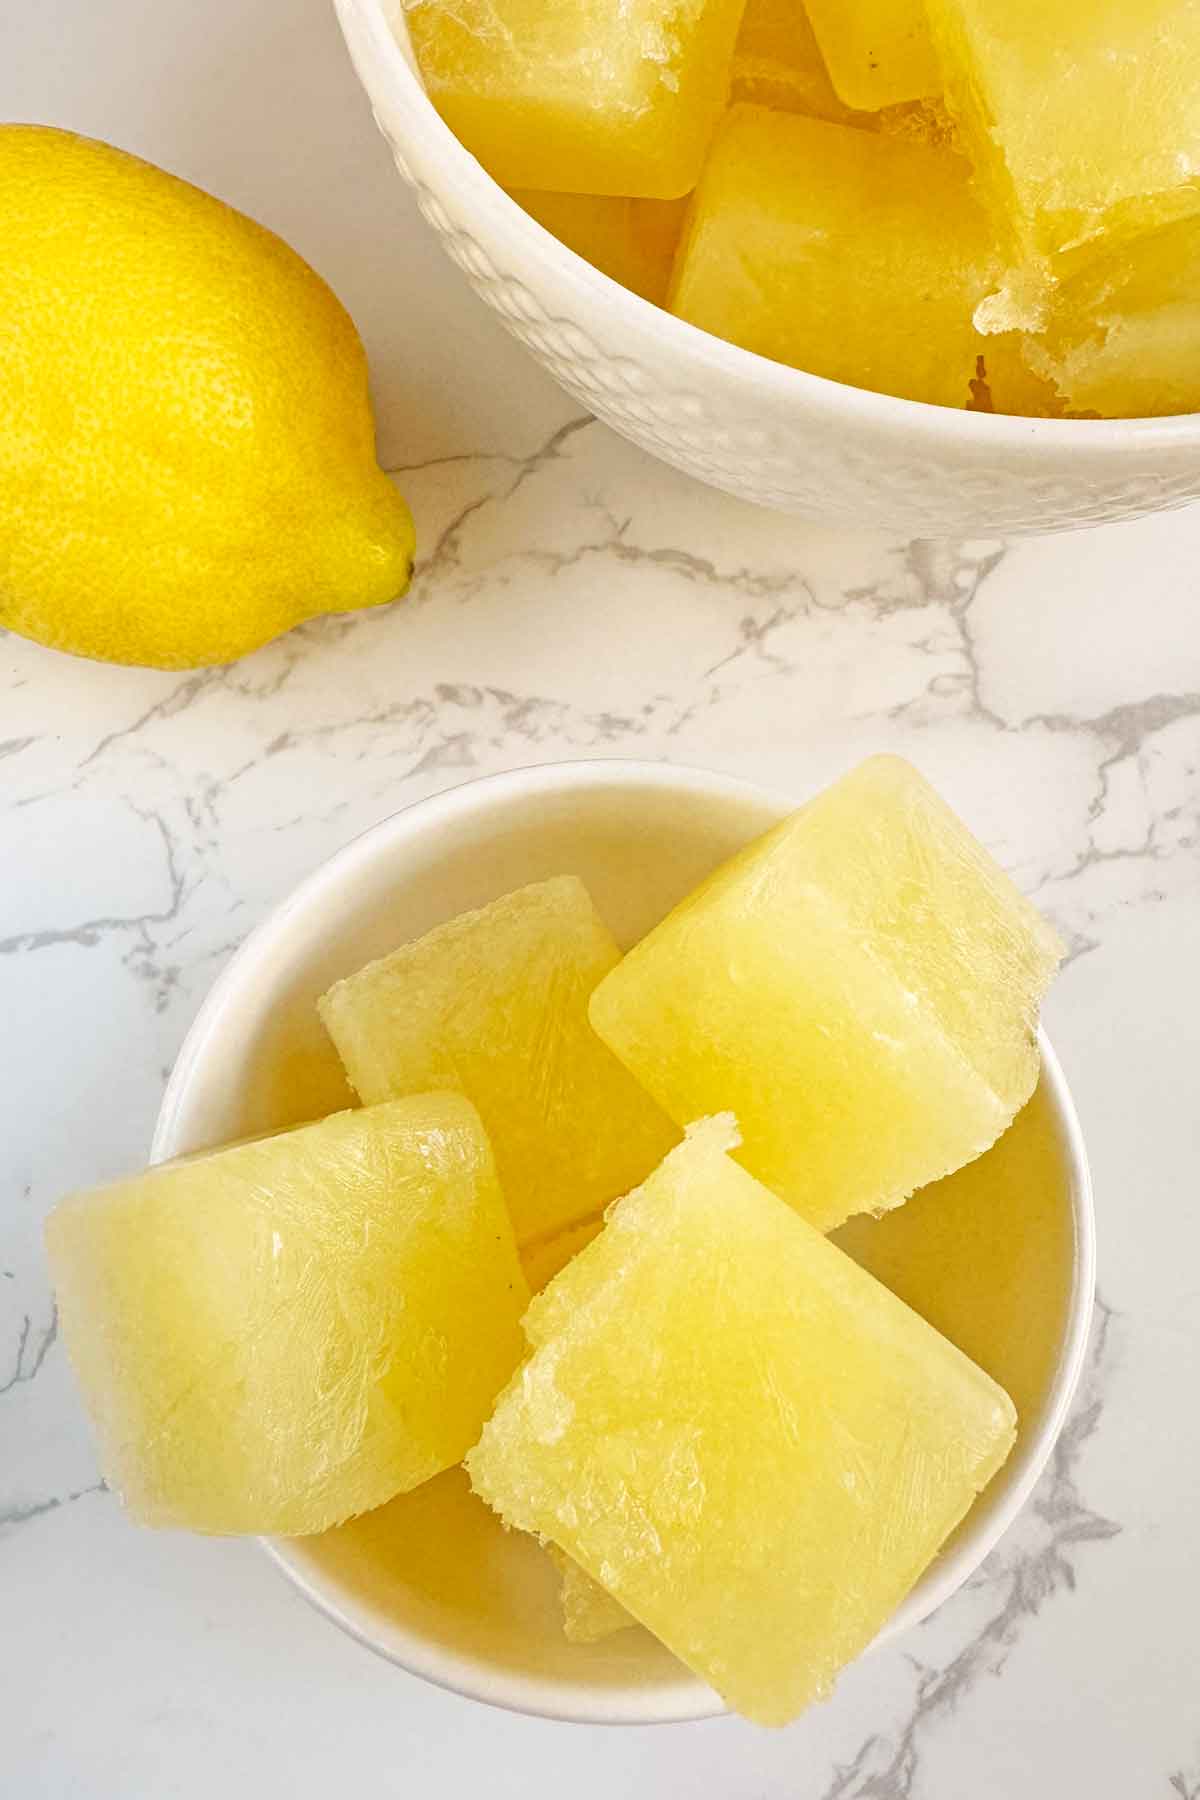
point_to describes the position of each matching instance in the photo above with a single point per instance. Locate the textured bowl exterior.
(785, 439)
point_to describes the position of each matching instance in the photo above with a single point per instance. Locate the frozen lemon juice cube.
(1123, 337)
(542, 1260)
(634, 241)
(843, 252)
(584, 96)
(275, 1336)
(494, 1005)
(878, 52)
(1084, 120)
(589, 1611)
(1007, 382)
(777, 63)
(860, 986)
(752, 1445)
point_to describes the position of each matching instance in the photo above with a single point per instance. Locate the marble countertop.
(576, 599)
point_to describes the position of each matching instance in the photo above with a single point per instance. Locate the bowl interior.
(997, 1256)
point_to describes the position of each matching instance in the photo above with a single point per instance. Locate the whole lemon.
(187, 452)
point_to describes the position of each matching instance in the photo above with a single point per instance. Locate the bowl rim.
(952, 427)
(472, 1677)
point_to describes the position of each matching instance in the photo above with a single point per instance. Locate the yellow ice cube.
(1006, 383)
(878, 52)
(985, 1256)
(926, 122)
(274, 1336)
(747, 1440)
(1123, 338)
(494, 1005)
(777, 63)
(589, 1611)
(1083, 119)
(585, 96)
(634, 241)
(541, 1261)
(852, 255)
(860, 986)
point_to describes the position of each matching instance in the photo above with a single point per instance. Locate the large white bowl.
(772, 434)
(432, 1581)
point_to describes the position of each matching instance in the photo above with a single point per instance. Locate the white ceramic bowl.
(432, 1581)
(772, 434)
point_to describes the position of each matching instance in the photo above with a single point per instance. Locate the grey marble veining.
(576, 599)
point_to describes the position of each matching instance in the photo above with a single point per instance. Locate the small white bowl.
(837, 454)
(432, 1581)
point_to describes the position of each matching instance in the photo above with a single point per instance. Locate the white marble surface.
(575, 599)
